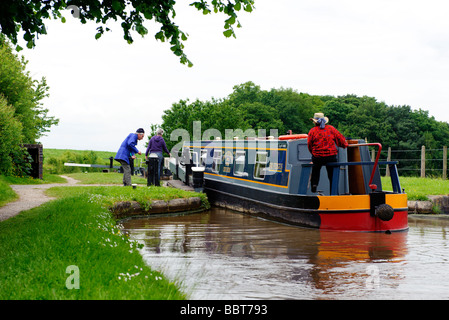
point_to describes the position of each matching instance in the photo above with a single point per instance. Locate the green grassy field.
(54, 160)
(419, 188)
(105, 178)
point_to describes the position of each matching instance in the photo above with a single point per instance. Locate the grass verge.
(47, 178)
(419, 188)
(69, 241)
(104, 178)
(107, 196)
(7, 194)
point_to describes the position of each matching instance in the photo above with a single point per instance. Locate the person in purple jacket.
(157, 145)
(128, 150)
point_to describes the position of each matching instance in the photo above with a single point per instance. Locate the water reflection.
(225, 255)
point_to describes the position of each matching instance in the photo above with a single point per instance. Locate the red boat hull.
(352, 213)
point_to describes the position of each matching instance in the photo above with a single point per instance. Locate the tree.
(295, 109)
(22, 117)
(260, 116)
(29, 16)
(23, 94)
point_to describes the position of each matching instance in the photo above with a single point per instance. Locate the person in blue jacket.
(128, 150)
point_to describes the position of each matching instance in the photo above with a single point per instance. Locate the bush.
(14, 159)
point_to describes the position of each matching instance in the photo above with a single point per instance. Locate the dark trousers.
(161, 164)
(318, 162)
(126, 172)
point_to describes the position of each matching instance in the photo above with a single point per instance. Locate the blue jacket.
(127, 148)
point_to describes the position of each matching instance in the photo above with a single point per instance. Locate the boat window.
(216, 161)
(194, 157)
(203, 157)
(303, 153)
(239, 164)
(186, 158)
(260, 165)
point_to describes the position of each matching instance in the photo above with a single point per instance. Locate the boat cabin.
(284, 165)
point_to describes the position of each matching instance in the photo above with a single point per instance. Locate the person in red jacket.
(322, 142)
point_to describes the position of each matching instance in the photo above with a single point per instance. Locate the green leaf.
(63, 20)
(231, 20)
(97, 36)
(248, 8)
(116, 5)
(228, 33)
(160, 36)
(27, 36)
(238, 6)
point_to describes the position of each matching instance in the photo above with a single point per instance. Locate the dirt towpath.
(31, 196)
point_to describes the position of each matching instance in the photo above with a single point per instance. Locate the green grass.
(7, 194)
(47, 178)
(38, 246)
(107, 196)
(103, 156)
(104, 178)
(54, 160)
(419, 188)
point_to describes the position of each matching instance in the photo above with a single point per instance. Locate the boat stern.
(375, 212)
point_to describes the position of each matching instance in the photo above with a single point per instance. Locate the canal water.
(221, 254)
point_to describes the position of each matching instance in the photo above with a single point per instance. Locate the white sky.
(394, 50)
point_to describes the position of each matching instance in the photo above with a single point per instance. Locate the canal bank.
(435, 205)
(72, 247)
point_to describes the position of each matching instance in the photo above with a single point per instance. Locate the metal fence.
(418, 162)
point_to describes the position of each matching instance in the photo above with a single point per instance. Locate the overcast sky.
(394, 50)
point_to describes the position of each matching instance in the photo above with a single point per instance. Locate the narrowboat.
(270, 178)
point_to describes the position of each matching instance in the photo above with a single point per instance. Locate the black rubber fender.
(384, 212)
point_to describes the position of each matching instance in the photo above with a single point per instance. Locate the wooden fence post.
(423, 161)
(387, 172)
(444, 162)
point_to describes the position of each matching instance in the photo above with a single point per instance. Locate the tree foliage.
(29, 16)
(250, 107)
(23, 118)
(12, 155)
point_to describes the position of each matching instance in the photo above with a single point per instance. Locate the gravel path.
(31, 196)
